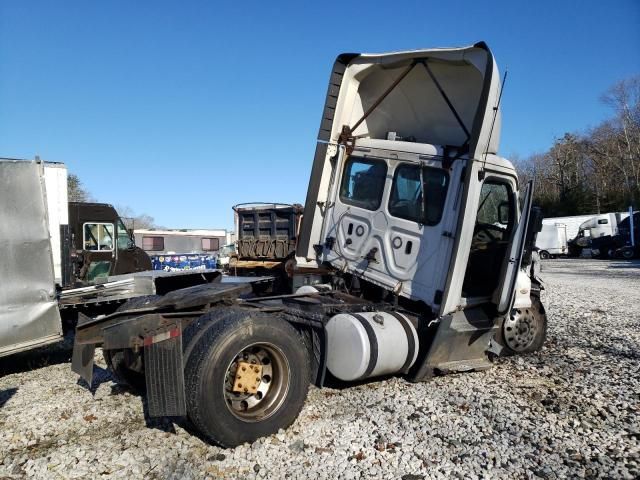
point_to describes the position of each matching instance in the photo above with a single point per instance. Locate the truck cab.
(100, 245)
(408, 194)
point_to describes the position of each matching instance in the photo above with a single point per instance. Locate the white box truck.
(552, 240)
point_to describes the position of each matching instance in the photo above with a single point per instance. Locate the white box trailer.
(29, 314)
(552, 240)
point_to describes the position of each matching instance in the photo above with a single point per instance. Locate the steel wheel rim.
(520, 329)
(273, 388)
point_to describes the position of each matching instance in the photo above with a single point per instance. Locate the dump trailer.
(420, 233)
(266, 241)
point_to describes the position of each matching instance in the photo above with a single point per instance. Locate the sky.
(181, 110)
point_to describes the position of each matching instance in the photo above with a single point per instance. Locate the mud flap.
(82, 361)
(82, 357)
(164, 374)
(460, 344)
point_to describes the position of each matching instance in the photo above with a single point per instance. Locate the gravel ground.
(572, 410)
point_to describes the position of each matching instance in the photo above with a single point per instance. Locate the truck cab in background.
(100, 245)
(604, 236)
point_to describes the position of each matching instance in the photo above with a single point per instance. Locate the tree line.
(594, 171)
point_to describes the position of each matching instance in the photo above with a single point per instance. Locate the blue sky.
(183, 109)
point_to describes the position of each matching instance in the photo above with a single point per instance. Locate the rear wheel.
(127, 366)
(627, 253)
(245, 378)
(544, 254)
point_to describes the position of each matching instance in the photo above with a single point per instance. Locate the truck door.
(98, 243)
(128, 257)
(512, 262)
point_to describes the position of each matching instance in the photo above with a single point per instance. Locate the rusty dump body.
(267, 237)
(267, 231)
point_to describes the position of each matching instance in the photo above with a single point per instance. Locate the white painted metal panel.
(55, 179)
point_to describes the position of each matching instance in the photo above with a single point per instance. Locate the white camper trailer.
(159, 242)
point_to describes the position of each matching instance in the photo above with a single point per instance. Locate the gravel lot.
(572, 410)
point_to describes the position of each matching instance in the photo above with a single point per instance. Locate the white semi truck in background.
(414, 252)
(573, 235)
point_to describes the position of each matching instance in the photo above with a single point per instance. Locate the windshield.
(227, 250)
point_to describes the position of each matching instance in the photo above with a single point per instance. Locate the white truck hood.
(444, 97)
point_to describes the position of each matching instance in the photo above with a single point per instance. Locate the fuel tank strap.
(411, 341)
(373, 342)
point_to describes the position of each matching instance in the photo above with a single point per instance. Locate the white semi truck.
(414, 249)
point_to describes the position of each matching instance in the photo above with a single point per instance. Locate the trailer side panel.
(29, 313)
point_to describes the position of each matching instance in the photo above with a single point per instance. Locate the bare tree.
(76, 190)
(136, 221)
(597, 170)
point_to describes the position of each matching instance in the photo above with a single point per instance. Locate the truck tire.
(230, 418)
(524, 330)
(544, 255)
(627, 253)
(127, 366)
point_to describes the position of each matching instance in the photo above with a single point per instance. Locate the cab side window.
(419, 203)
(98, 236)
(363, 183)
(495, 212)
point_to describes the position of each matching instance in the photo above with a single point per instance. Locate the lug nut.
(239, 385)
(244, 369)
